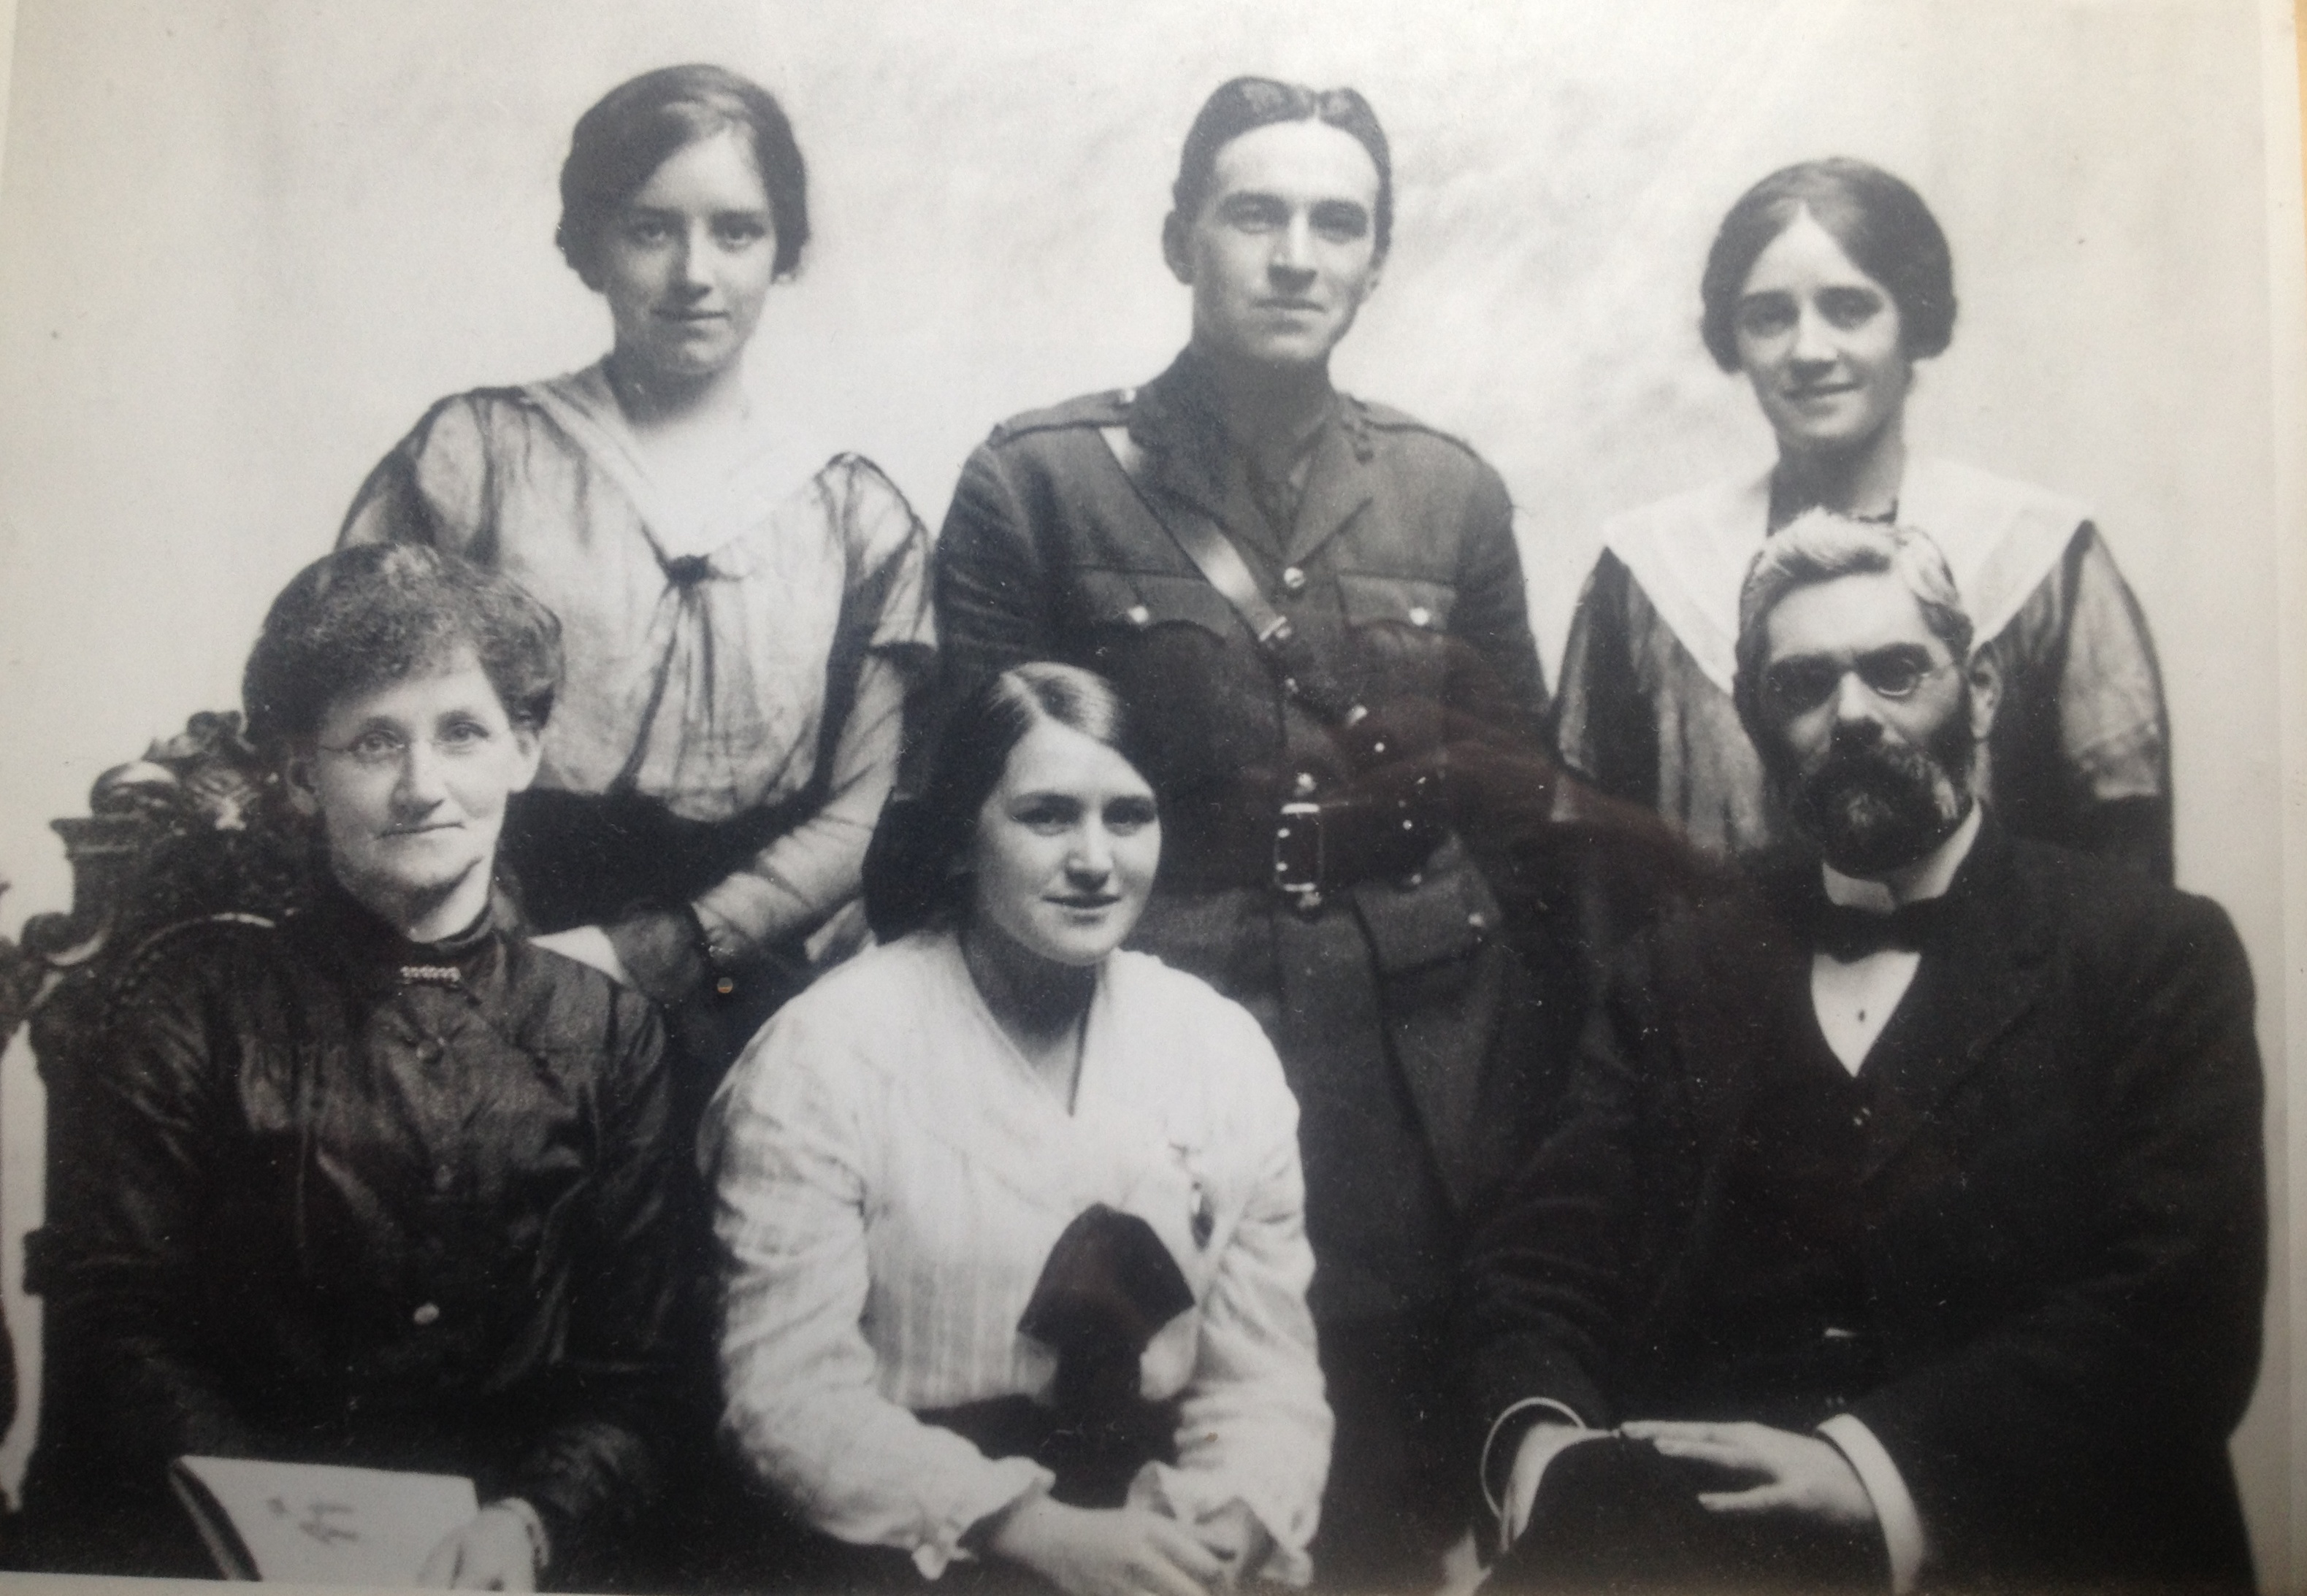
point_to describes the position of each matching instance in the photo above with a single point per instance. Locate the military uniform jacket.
(1398, 567)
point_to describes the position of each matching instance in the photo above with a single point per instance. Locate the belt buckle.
(1298, 856)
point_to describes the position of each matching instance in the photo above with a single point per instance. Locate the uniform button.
(1140, 616)
(427, 1313)
(444, 1178)
(1294, 579)
(1419, 616)
(1304, 785)
(1412, 881)
(1478, 919)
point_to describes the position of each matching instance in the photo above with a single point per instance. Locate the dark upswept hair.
(637, 127)
(1820, 545)
(1243, 104)
(375, 613)
(915, 869)
(1879, 220)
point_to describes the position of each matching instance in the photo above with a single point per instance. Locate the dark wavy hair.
(640, 125)
(1879, 220)
(377, 614)
(917, 866)
(1243, 104)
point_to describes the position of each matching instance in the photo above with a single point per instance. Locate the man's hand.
(1233, 1535)
(1118, 1551)
(1795, 1473)
(1538, 1449)
(492, 1552)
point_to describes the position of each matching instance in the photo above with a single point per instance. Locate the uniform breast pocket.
(1144, 603)
(1400, 627)
(1185, 662)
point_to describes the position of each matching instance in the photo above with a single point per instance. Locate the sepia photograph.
(1383, 796)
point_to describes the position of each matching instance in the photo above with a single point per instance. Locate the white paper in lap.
(315, 1524)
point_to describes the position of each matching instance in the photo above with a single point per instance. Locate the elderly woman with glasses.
(384, 1185)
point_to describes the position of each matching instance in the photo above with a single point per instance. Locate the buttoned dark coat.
(2064, 1223)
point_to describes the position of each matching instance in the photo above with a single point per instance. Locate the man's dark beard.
(1875, 803)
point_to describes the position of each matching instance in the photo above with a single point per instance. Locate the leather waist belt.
(1301, 848)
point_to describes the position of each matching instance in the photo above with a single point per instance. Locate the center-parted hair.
(1244, 105)
(641, 124)
(917, 867)
(1822, 546)
(368, 616)
(1879, 221)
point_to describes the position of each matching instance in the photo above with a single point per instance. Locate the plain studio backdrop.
(243, 245)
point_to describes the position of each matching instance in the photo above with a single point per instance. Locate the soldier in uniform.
(1306, 597)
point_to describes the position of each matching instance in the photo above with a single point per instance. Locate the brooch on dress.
(1204, 1218)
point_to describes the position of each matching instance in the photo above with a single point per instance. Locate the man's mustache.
(1876, 764)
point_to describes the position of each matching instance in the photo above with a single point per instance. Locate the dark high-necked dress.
(345, 1199)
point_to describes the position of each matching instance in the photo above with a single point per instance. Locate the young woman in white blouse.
(1011, 1221)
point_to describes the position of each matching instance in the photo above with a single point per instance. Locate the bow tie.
(1848, 934)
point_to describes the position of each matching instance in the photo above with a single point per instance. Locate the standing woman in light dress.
(1826, 283)
(744, 614)
(1012, 1222)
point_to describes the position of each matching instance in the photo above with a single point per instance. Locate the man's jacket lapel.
(1967, 994)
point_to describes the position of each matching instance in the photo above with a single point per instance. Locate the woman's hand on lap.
(1235, 1537)
(492, 1552)
(1119, 1551)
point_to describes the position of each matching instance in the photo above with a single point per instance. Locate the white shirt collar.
(1927, 877)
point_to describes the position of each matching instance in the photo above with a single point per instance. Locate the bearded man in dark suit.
(1905, 1222)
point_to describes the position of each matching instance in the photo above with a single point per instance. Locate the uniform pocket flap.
(1144, 598)
(1442, 912)
(1403, 600)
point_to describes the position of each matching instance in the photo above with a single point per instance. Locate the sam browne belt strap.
(1301, 673)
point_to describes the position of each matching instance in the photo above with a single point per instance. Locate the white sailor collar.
(1691, 553)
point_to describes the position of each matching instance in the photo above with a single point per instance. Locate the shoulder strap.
(1303, 676)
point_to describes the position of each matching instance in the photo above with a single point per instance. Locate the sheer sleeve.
(882, 655)
(1604, 727)
(2082, 746)
(432, 488)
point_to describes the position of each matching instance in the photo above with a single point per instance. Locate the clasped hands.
(1787, 1472)
(1131, 1551)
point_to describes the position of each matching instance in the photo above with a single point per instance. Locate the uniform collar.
(1180, 409)
(1175, 419)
